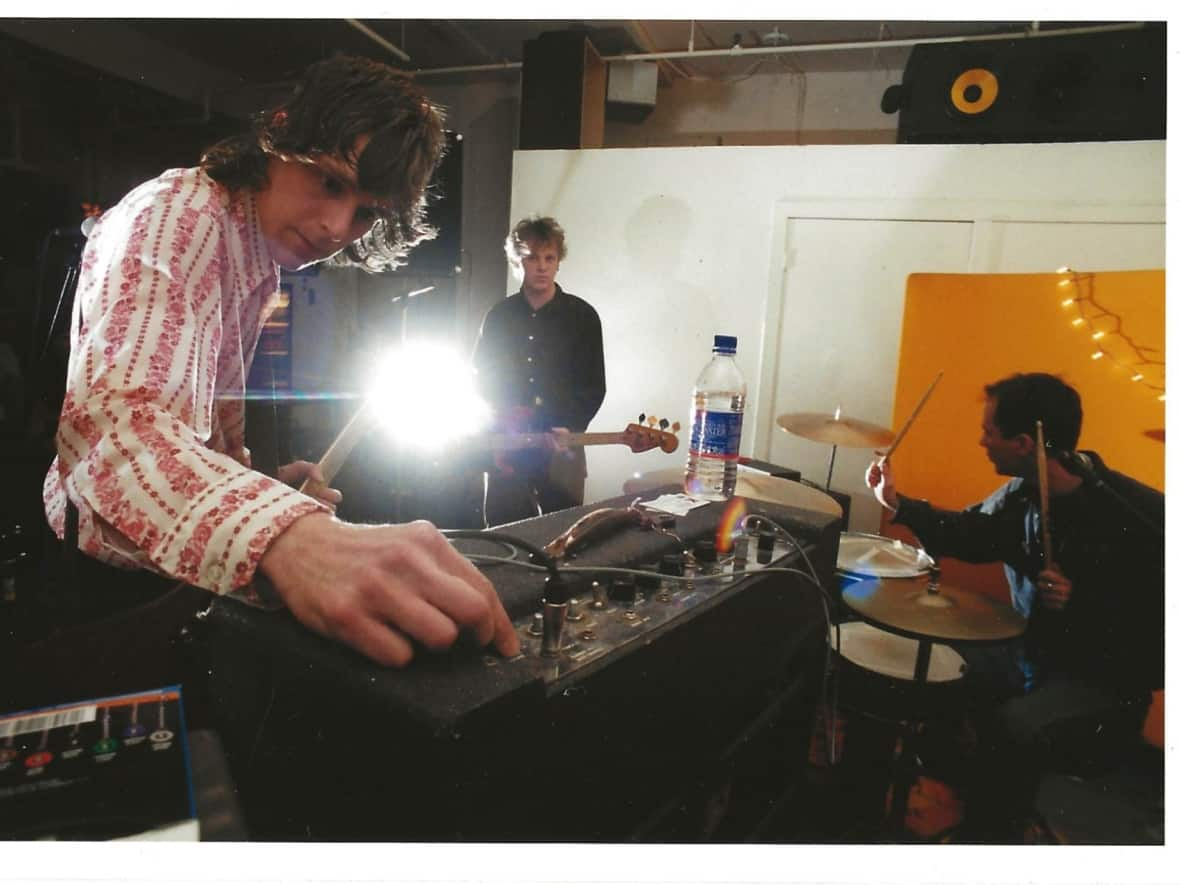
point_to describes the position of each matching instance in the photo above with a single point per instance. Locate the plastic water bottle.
(718, 403)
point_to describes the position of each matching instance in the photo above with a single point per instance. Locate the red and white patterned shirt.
(175, 284)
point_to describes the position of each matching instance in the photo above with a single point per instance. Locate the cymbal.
(653, 479)
(904, 604)
(777, 490)
(847, 432)
(750, 484)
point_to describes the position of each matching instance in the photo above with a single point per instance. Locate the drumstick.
(1043, 482)
(914, 414)
(341, 447)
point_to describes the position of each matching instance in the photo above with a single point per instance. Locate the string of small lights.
(1104, 325)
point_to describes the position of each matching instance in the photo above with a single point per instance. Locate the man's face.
(540, 267)
(309, 212)
(1010, 456)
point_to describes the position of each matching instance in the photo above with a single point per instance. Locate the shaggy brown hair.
(535, 229)
(336, 101)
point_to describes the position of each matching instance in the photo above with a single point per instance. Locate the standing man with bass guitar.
(538, 361)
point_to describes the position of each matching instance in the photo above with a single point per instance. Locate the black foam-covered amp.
(671, 711)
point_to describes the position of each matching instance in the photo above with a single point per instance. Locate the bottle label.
(716, 434)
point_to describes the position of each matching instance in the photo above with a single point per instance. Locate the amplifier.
(670, 711)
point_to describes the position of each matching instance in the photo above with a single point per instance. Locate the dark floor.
(850, 802)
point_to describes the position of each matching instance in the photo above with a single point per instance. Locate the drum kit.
(893, 586)
(906, 612)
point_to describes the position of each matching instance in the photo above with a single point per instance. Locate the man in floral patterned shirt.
(176, 282)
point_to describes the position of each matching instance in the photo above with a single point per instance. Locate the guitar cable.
(827, 711)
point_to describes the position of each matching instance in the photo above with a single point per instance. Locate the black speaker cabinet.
(1092, 87)
(562, 93)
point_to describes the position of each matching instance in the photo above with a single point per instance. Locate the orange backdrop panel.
(977, 328)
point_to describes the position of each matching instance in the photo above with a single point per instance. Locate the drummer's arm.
(976, 534)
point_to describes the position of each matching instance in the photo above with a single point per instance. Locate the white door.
(1042, 246)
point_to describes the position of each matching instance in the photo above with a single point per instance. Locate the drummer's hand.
(295, 473)
(879, 478)
(1054, 588)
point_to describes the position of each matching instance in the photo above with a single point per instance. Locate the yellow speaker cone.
(974, 91)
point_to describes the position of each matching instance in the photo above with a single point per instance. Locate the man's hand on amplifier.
(378, 588)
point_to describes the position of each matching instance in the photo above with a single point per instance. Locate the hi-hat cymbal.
(777, 490)
(846, 432)
(904, 604)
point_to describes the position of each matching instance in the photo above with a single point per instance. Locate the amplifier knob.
(765, 547)
(741, 552)
(672, 564)
(649, 581)
(623, 589)
(704, 551)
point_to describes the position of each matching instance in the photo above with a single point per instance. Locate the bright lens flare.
(423, 395)
(735, 511)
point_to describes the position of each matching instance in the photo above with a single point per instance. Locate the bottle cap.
(726, 343)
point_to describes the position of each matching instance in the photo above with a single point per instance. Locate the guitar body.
(527, 474)
(542, 483)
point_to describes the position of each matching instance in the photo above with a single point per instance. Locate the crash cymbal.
(905, 604)
(776, 490)
(835, 431)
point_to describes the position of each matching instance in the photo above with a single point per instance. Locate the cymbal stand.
(831, 466)
(832, 457)
(907, 764)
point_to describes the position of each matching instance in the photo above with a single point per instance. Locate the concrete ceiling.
(231, 65)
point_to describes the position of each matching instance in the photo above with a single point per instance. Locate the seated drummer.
(176, 283)
(1074, 690)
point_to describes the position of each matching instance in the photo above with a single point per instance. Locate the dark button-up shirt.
(547, 360)
(1111, 629)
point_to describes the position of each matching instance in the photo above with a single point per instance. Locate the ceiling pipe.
(873, 44)
(377, 38)
(639, 34)
(470, 69)
(810, 47)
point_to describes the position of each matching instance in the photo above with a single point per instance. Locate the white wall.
(673, 245)
(773, 106)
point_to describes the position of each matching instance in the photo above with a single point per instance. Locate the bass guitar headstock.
(652, 433)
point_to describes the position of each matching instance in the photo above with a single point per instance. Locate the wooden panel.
(593, 98)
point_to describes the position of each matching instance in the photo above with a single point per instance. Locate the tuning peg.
(663, 424)
(676, 427)
(642, 417)
(651, 422)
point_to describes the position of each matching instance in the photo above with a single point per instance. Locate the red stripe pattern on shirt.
(175, 284)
